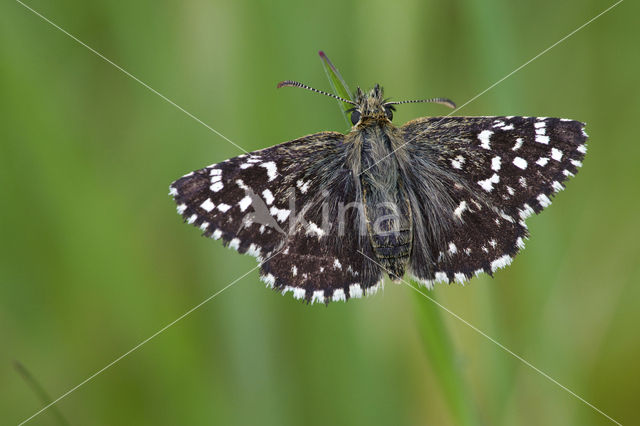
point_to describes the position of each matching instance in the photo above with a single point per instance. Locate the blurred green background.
(94, 258)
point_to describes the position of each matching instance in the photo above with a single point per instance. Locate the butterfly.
(443, 199)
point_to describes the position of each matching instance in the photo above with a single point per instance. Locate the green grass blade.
(42, 395)
(338, 84)
(444, 360)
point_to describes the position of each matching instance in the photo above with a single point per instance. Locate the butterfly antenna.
(290, 83)
(441, 101)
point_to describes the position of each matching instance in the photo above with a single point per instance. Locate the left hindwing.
(496, 171)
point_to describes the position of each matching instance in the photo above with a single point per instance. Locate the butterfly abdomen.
(393, 251)
(387, 211)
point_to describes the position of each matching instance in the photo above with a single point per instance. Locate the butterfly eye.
(355, 117)
(389, 112)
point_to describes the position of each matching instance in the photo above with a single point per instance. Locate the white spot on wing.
(303, 186)
(544, 200)
(173, 191)
(557, 186)
(526, 211)
(506, 217)
(582, 148)
(268, 196)
(272, 169)
(337, 264)
(427, 283)
(254, 251)
(317, 296)
(294, 270)
(207, 205)
(556, 154)
(452, 248)
(522, 181)
(461, 208)
(441, 277)
(298, 293)
(355, 290)
(542, 139)
(314, 229)
(223, 207)
(216, 234)
(457, 162)
(281, 214)
(241, 184)
(234, 244)
(192, 219)
(495, 163)
(484, 137)
(216, 186)
(244, 203)
(542, 161)
(338, 295)
(500, 262)
(487, 184)
(181, 208)
(517, 145)
(520, 162)
(373, 289)
(460, 277)
(269, 279)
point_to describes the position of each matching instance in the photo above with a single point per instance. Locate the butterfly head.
(371, 106)
(368, 107)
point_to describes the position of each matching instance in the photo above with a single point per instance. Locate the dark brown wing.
(496, 171)
(268, 203)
